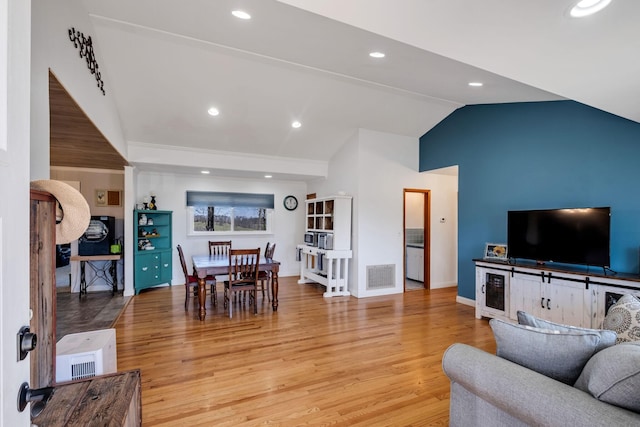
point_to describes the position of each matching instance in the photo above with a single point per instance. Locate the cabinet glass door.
(495, 292)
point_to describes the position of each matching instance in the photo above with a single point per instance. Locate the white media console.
(558, 295)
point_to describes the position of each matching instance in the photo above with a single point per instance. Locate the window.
(225, 213)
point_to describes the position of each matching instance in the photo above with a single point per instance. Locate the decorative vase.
(152, 203)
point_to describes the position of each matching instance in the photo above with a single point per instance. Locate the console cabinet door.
(492, 293)
(561, 301)
(567, 302)
(165, 267)
(526, 295)
(147, 269)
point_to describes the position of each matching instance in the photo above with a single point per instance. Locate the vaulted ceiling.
(166, 62)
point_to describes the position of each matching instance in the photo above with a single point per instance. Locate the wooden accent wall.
(42, 279)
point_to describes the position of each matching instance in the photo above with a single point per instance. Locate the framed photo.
(101, 197)
(113, 198)
(495, 251)
(108, 198)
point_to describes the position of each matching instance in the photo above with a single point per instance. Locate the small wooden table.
(218, 265)
(109, 400)
(100, 271)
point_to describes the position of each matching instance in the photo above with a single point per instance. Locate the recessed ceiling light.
(268, 176)
(476, 84)
(205, 172)
(588, 7)
(377, 55)
(213, 111)
(296, 124)
(241, 14)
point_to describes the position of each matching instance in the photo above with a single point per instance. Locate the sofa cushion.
(607, 337)
(613, 376)
(560, 355)
(624, 318)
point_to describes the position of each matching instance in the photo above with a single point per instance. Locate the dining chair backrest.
(183, 264)
(219, 248)
(243, 266)
(268, 254)
(266, 249)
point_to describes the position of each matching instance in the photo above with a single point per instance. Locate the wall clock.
(290, 203)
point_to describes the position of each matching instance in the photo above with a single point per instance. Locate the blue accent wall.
(537, 155)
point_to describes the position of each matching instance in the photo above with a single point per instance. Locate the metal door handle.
(38, 398)
(27, 342)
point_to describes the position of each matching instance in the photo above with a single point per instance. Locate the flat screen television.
(567, 236)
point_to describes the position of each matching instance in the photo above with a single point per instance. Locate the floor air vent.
(83, 370)
(381, 276)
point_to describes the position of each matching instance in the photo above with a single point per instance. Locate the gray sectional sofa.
(487, 390)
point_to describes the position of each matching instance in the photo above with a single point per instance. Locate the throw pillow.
(560, 355)
(607, 337)
(613, 376)
(624, 318)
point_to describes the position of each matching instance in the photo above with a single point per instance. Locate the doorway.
(417, 245)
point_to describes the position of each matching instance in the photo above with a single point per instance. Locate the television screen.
(568, 236)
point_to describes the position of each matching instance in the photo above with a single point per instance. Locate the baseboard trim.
(465, 301)
(443, 285)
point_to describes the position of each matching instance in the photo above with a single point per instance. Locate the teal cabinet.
(153, 251)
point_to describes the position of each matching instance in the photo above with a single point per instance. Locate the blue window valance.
(235, 200)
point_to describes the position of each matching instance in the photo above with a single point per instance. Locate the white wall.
(52, 49)
(443, 235)
(288, 227)
(375, 168)
(343, 176)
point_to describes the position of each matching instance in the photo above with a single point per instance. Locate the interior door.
(417, 213)
(15, 28)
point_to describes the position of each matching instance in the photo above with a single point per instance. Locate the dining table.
(218, 265)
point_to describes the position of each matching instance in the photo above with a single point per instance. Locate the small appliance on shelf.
(98, 237)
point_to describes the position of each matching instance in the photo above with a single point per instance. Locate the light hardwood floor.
(339, 361)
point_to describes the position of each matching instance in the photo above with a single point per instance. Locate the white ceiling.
(167, 61)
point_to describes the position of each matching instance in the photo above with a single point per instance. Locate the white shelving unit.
(329, 267)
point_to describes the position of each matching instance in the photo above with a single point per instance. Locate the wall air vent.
(381, 276)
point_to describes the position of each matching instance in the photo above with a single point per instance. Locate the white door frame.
(15, 82)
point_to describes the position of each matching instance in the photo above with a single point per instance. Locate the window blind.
(234, 200)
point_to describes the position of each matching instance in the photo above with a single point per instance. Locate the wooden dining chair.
(264, 277)
(217, 248)
(243, 276)
(190, 281)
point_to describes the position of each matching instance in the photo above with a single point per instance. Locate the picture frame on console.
(497, 251)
